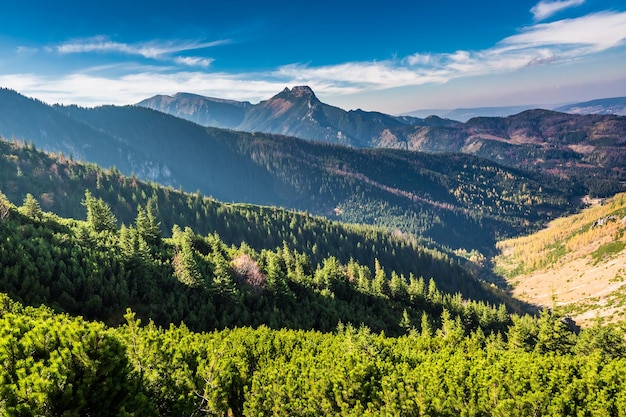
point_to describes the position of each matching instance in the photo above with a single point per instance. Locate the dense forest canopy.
(95, 269)
(59, 184)
(51, 362)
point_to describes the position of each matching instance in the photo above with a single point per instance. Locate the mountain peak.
(301, 91)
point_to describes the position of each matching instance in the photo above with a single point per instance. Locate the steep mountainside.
(293, 112)
(298, 112)
(459, 201)
(590, 147)
(29, 120)
(206, 111)
(96, 270)
(577, 264)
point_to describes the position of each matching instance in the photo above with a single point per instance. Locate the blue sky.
(392, 56)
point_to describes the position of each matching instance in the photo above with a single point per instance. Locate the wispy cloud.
(537, 44)
(162, 51)
(193, 61)
(592, 33)
(170, 71)
(145, 49)
(26, 50)
(545, 8)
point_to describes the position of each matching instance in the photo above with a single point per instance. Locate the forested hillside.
(95, 269)
(59, 185)
(435, 196)
(431, 195)
(51, 363)
(586, 148)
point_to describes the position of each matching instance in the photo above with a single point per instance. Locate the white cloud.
(384, 74)
(145, 49)
(193, 61)
(92, 90)
(545, 9)
(539, 44)
(419, 59)
(594, 32)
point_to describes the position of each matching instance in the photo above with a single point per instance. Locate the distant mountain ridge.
(615, 105)
(206, 111)
(545, 140)
(463, 114)
(292, 112)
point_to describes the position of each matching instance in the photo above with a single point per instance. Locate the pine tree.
(31, 207)
(406, 322)
(147, 226)
(380, 286)
(276, 279)
(99, 214)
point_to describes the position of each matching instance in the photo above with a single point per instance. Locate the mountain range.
(463, 114)
(292, 112)
(549, 141)
(216, 112)
(614, 105)
(460, 201)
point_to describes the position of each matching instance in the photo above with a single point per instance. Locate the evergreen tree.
(31, 207)
(380, 286)
(553, 335)
(99, 214)
(147, 226)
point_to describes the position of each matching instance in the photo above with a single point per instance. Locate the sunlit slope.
(578, 263)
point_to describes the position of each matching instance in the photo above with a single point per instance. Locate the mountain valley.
(305, 276)
(577, 264)
(427, 195)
